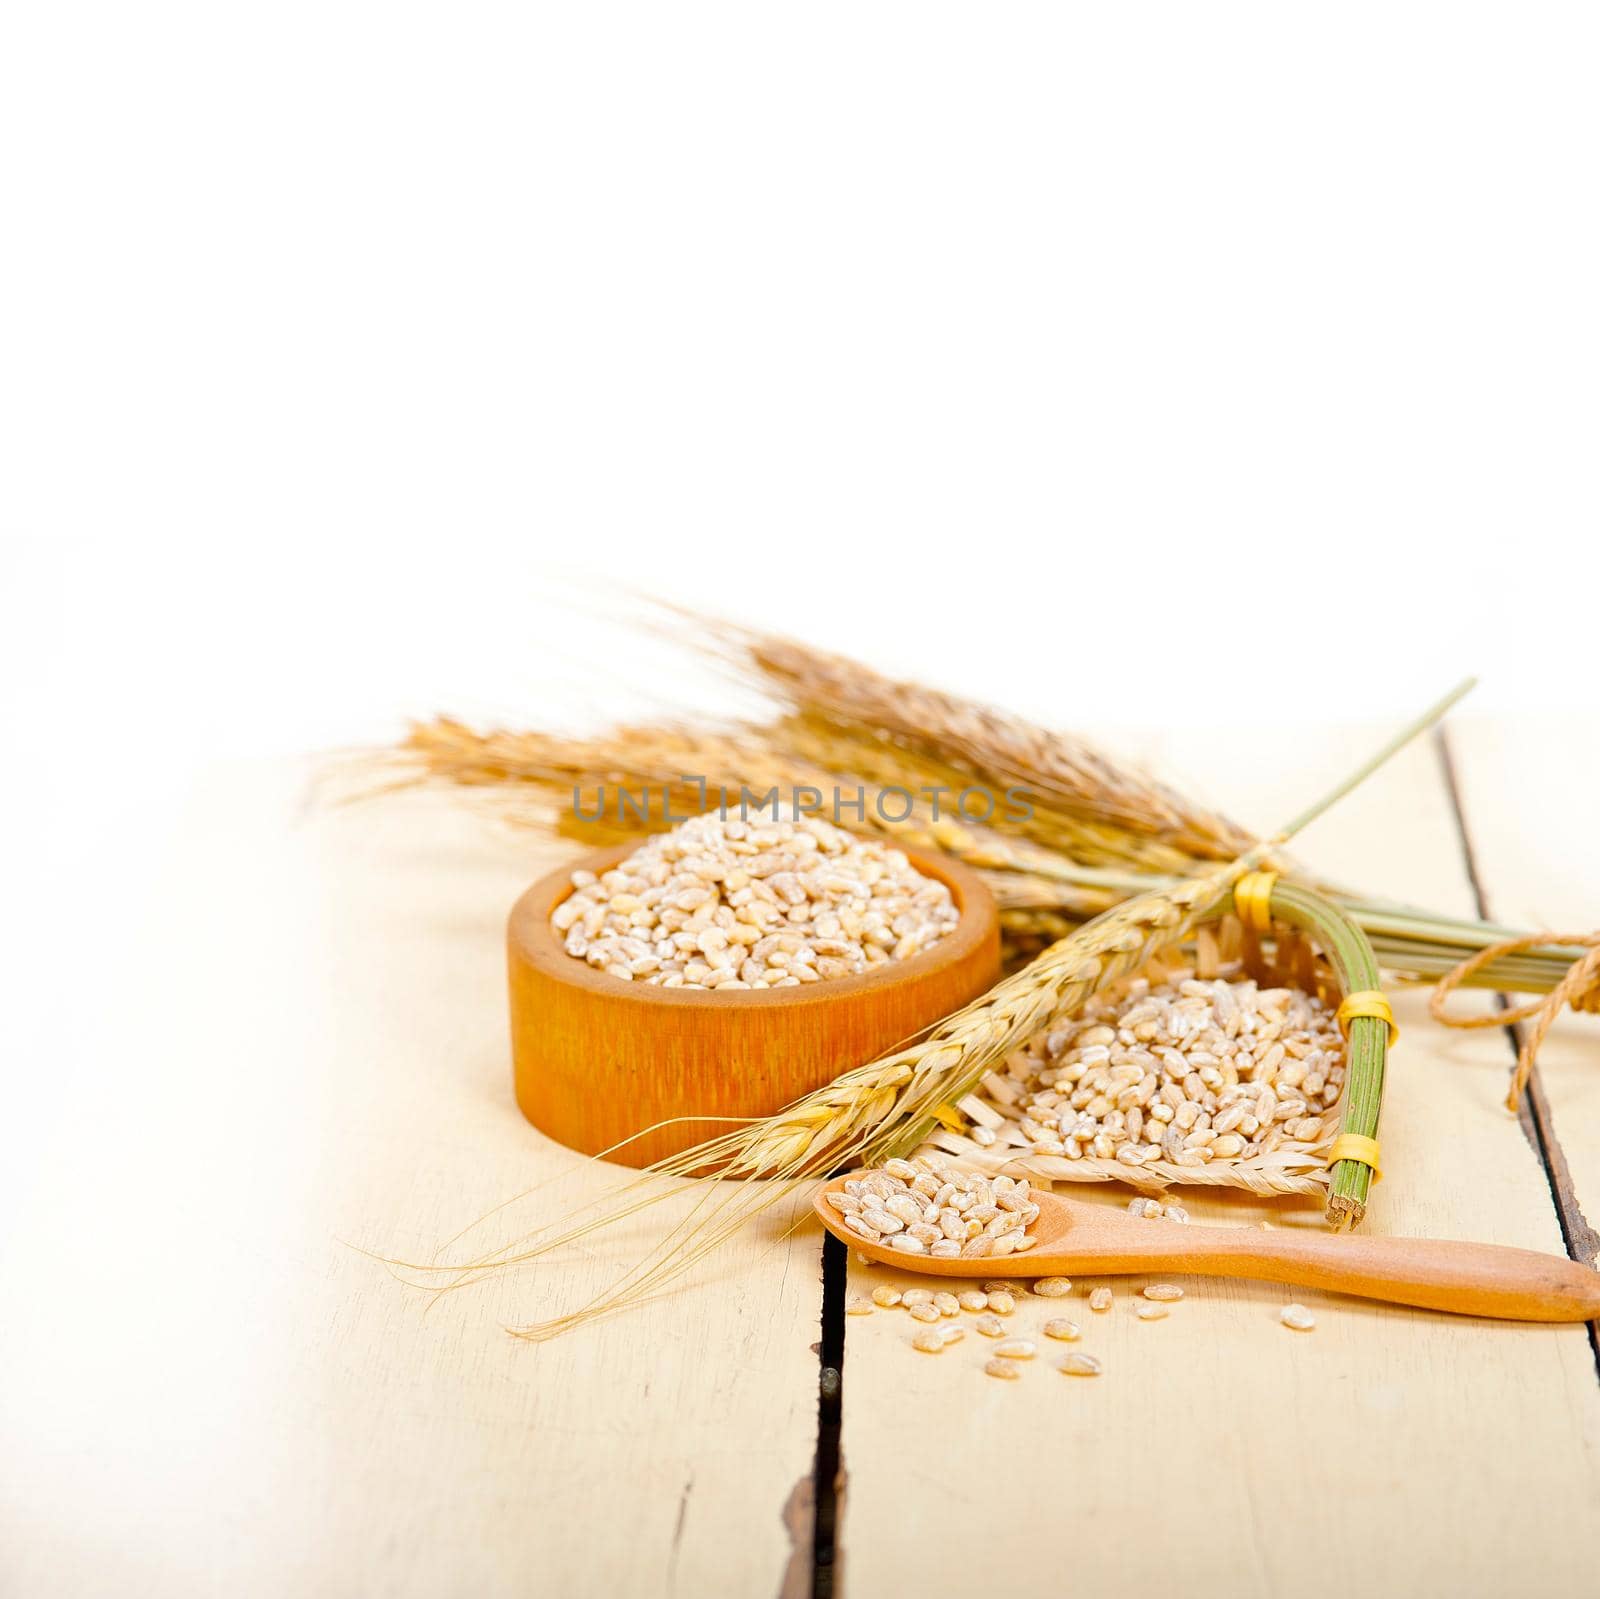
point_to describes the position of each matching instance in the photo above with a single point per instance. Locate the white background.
(1111, 361)
(1213, 365)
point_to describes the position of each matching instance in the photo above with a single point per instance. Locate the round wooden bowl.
(597, 1060)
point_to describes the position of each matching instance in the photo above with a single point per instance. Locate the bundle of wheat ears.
(1105, 871)
(1096, 832)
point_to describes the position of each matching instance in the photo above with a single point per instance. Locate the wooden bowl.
(596, 1059)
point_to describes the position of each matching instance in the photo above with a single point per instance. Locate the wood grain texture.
(301, 1043)
(1529, 791)
(1389, 1452)
(205, 1389)
(597, 1060)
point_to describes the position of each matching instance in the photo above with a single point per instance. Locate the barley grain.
(1164, 1291)
(939, 1210)
(1186, 1073)
(1053, 1287)
(683, 908)
(1076, 1365)
(1059, 1327)
(1003, 1368)
(1100, 1300)
(1015, 1349)
(1297, 1317)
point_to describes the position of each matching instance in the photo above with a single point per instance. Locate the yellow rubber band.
(1356, 1146)
(1251, 898)
(1369, 1002)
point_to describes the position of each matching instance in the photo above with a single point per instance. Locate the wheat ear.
(997, 747)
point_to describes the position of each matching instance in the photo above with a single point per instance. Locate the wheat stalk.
(869, 1113)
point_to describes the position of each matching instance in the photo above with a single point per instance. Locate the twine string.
(1580, 989)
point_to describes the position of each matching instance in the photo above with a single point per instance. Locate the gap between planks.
(1538, 1123)
(830, 1421)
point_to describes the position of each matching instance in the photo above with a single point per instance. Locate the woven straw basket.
(1277, 947)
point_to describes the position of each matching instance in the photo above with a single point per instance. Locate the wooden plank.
(237, 1401)
(1527, 790)
(1388, 1452)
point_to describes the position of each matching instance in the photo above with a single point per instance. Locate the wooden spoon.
(1076, 1238)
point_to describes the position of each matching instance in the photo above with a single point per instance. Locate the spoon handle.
(1470, 1279)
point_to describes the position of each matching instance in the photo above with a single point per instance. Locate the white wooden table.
(300, 1048)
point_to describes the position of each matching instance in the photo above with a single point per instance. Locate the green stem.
(1409, 942)
(1420, 725)
(1355, 966)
